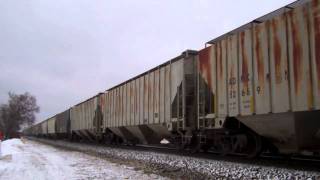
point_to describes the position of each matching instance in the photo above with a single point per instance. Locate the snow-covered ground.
(31, 160)
(188, 167)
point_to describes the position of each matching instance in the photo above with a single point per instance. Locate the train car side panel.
(206, 85)
(119, 106)
(279, 65)
(128, 117)
(151, 98)
(44, 128)
(132, 102)
(125, 102)
(116, 107)
(156, 96)
(162, 95)
(167, 96)
(51, 125)
(315, 50)
(113, 108)
(298, 48)
(221, 54)
(137, 98)
(261, 68)
(245, 72)
(176, 89)
(232, 76)
(141, 100)
(62, 122)
(146, 99)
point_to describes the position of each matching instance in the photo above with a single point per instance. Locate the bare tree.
(20, 110)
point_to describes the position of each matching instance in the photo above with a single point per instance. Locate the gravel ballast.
(180, 166)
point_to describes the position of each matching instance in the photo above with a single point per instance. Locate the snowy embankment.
(185, 167)
(31, 160)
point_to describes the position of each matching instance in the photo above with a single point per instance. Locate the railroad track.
(212, 154)
(290, 162)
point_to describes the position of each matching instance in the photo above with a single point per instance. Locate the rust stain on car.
(232, 79)
(204, 61)
(244, 65)
(277, 49)
(102, 101)
(259, 56)
(297, 52)
(309, 76)
(219, 61)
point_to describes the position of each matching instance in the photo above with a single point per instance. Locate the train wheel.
(196, 148)
(195, 144)
(182, 147)
(254, 146)
(205, 148)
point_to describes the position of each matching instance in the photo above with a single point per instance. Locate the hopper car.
(253, 89)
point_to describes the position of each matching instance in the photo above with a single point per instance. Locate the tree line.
(17, 113)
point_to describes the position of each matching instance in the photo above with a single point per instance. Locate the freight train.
(254, 89)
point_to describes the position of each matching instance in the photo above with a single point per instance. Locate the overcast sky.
(65, 51)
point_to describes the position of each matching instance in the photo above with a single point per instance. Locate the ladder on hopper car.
(186, 104)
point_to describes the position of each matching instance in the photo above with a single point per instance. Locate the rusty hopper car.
(63, 124)
(82, 118)
(266, 75)
(254, 89)
(153, 105)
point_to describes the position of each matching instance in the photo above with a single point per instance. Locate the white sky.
(65, 51)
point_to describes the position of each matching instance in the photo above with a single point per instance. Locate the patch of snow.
(10, 146)
(164, 141)
(32, 160)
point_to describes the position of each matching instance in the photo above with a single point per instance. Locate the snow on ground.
(188, 167)
(31, 160)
